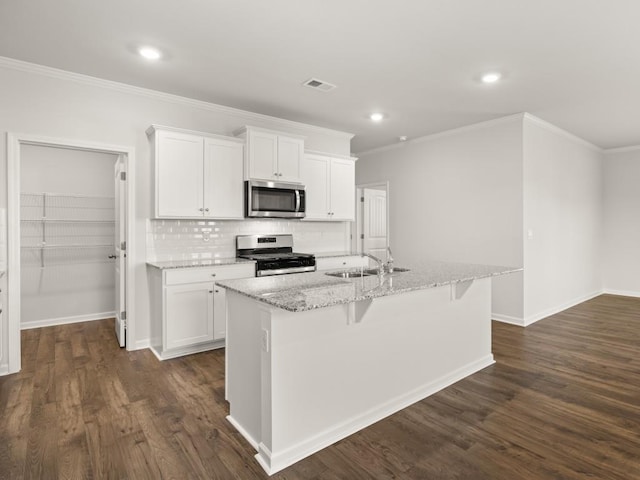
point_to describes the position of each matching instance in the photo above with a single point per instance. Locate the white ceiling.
(574, 63)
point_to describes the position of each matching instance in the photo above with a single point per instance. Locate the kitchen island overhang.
(310, 361)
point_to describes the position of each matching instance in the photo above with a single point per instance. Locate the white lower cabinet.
(189, 309)
(189, 314)
(336, 263)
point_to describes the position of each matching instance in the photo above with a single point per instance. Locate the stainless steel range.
(274, 254)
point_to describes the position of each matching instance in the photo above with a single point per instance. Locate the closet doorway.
(372, 220)
(70, 219)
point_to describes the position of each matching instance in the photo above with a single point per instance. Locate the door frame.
(14, 143)
(356, 226)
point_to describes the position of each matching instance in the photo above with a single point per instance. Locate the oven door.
(274, 199)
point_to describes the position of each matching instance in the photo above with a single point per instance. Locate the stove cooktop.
(274, 254)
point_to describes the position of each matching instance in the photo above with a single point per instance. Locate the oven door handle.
(297, 200)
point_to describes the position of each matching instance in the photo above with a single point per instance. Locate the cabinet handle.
(217, 291)
(213, 274)
(201, 209)
(210, 291)
(206, 209)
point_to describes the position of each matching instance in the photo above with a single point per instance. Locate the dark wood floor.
(562, 402)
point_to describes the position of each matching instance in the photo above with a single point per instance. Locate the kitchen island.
(312, 358)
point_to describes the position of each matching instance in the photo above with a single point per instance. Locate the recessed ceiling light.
(491, 77)
(402, 138)
(150, 53)
(376, 117)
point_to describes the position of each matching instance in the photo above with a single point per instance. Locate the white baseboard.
(252, 441)
(50, 322)
(180, 352)
(622, 293)
(552, 311)
(141, 344)
(274, 463)
(507, 319)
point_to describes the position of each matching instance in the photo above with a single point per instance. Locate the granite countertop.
(308, 291)
(198, 262)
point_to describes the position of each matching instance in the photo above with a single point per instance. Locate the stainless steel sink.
(349, 274)
(374, 271)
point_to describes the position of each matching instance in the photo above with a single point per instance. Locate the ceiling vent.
(319, 85)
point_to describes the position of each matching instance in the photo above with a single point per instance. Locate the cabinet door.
(188, 314)
(290, 153)
(179, 183)
(219, 313)
(223, 187)
(315, 177)
(263, 155)
(343, 189)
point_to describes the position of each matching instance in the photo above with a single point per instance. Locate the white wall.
(457, 197)
(40, 101)
(563, 217)
(621, 251)
(78, 284)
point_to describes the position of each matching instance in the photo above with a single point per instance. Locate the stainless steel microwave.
(274, 199)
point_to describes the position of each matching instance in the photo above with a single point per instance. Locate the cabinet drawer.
(335, 263)
(209, 274)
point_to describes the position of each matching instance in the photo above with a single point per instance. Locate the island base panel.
(321, 375)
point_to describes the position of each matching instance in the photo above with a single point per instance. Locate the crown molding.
(559, 131)
(491, 123)
(19, 65)
(446, 133)
(631, 148)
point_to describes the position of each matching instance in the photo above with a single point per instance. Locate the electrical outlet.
(265, 340)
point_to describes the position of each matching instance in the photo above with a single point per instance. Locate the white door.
(374, 227)
(120, 247)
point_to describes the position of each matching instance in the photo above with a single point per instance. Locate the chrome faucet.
(389, 263)
(377, 260)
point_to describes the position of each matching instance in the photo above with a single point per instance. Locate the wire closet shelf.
(63, 229)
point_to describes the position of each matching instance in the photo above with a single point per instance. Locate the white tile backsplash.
(185, 239)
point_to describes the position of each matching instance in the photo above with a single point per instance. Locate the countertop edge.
(370, 295)
(203, 263)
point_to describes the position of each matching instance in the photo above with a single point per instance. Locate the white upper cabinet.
(179, 183)
(342, 183)
(290, 155)
(223, 172)
(330, 187)
(315, 177)
(272, 156)
(262, 153)
(197, 175)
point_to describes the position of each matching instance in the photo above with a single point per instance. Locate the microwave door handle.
(297, 200)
